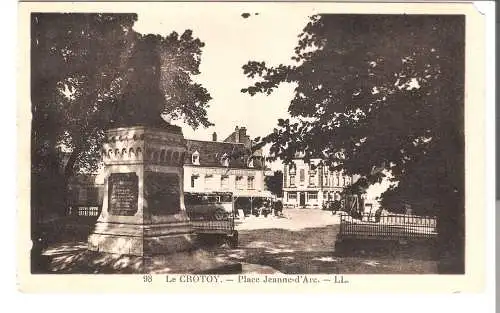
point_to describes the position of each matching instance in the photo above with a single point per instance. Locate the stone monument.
(143, 210)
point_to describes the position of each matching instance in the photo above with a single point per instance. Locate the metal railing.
(209, 225)
(387, 227)
(88, 211)
(83, 210)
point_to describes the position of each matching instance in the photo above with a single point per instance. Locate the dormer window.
(195, 158)
(250, 163)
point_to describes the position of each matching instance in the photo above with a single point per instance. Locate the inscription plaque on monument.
(162, 192)
(123, 193)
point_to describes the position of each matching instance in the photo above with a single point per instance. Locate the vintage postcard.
(251, 147)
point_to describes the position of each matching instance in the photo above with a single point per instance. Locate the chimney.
(242, 134)
(214, 136)
(237, 134)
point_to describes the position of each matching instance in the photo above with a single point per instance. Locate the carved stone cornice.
(141, 144)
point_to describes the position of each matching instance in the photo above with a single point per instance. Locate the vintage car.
(256, 207)
(209, 206)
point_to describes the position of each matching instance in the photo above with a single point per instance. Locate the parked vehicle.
(209, 206)
(333, 206)
(263, 208)
(256, 207)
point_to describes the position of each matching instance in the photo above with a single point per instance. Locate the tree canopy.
(375, 93)
(93, 71)
(275, 183)
(90, 72)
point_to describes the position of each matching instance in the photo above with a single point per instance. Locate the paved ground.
(303, 241)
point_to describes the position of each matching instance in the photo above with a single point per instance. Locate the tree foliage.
(275, 183)
(90, 72)
(75, 63)
(159, 80)
(377, 92)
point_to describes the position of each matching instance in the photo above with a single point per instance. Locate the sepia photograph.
(250, 142)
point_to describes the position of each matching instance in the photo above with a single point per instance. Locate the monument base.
(142, 239)
(143, 212)
(140, 246)
(84, 261)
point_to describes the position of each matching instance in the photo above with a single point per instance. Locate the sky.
(230, 42)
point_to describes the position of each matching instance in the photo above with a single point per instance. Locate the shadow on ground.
(423, 250)
(316, 251)
(74, 258)
(305, 251)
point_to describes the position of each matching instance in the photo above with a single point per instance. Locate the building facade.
(227, 166)
(209, 167)
(310, 185)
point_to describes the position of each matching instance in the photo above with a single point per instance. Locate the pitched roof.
(212, 153)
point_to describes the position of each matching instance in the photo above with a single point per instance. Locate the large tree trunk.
(452, 208)
(69, 171)
(451, 238)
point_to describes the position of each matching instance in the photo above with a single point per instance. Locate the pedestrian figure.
(278, 208)
(335, 206)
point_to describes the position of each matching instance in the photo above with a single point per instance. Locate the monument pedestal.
(142, 239)
(143, 210)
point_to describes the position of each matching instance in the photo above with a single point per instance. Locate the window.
(325, 196)
(312, 195)
(193, 180)
(227, 198)
(239, 182)
(250, 182)
(212, 199)
(292, 196)
(195, 158)
(312, 180)
(326, 179)
(292, 180)
(343, 179)
(224, 182)
(209, 179)
(302, 175)
(250, 163)
(337, 181)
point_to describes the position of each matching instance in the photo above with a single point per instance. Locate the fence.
(387, 227)
(86, 211)
(209, 225)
